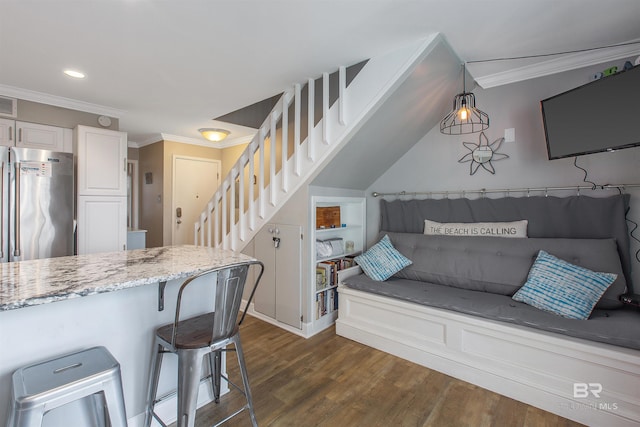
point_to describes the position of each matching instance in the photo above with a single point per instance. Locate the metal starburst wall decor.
(482, 154)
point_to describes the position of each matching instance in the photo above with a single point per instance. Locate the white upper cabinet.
(102, 161)
(6, 132)
(43, 137)
(32, 135)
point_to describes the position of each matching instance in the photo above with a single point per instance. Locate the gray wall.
(34, 112)
(432, 164)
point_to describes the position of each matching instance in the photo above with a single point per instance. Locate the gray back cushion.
(575, 217)
(498, 265)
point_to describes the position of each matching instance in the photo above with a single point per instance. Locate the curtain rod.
(527, 190)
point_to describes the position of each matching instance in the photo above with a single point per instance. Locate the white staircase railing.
(278, 161)
(256, 188)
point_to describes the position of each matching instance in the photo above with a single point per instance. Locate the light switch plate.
(510, 135)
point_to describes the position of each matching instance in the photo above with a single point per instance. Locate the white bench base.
(545, 370)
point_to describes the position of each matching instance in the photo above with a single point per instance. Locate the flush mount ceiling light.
(465, 117)
(75, 74)
(213, 134)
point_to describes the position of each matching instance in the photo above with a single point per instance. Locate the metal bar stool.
(41, 387)
(205, 335)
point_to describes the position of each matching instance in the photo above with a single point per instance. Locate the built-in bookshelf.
(335, 244)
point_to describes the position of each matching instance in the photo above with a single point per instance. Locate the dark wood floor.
(329, 380)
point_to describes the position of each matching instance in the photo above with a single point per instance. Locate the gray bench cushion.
(575, 217)
(617, 327)
(500, 266)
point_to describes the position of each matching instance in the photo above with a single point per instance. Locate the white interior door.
(194, 182)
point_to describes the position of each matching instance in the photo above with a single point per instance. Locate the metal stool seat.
(41, 387)
(208, 335)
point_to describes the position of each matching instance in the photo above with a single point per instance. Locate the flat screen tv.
(603, 115)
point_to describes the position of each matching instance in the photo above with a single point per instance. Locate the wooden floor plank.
(328, 380)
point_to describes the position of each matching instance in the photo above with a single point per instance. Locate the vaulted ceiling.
(170, 67)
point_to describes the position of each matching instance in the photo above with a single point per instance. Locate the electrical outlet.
(510, 135)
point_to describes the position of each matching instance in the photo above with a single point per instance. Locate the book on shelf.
(348, 262)
(327, 271)
(323, 273)
(326, 302)
(321, 304)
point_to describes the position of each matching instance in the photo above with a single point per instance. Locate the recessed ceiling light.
(75, 74)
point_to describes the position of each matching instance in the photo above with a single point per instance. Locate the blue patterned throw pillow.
(562, 288)
(382, 260)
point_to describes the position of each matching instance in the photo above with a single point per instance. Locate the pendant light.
(465, 117)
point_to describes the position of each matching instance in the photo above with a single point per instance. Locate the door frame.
(173, 181)
(135, 194)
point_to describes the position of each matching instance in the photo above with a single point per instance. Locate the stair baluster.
(232, 216)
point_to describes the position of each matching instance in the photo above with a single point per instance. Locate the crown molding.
(558, 65)
(193, 141)
(241, 140)
(59, 101)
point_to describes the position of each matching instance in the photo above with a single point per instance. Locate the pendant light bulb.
(463, 113)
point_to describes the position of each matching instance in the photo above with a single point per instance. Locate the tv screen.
(603, 115)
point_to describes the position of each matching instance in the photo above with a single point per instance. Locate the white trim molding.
(193, 141)
(59, 101)
(557, 65)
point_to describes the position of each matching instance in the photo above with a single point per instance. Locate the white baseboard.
(308, 330)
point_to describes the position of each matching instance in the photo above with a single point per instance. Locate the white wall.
(432, 164)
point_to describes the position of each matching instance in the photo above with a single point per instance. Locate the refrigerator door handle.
(16, 251)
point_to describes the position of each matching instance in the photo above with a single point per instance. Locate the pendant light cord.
(552, 54)
(464, 77)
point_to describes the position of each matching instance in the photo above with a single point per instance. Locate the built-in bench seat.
(452, 309)
(620, 327)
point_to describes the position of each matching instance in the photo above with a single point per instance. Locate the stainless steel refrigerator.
(37, 214)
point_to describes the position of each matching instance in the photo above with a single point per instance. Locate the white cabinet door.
(32, 135)
(278, 294)
(102, 161)
(265, 297)
(6, 132)
(102, 224)
(42, 137)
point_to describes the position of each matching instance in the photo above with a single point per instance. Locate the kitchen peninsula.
(54, 306)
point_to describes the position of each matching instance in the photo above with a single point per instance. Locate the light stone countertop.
(28, 283)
